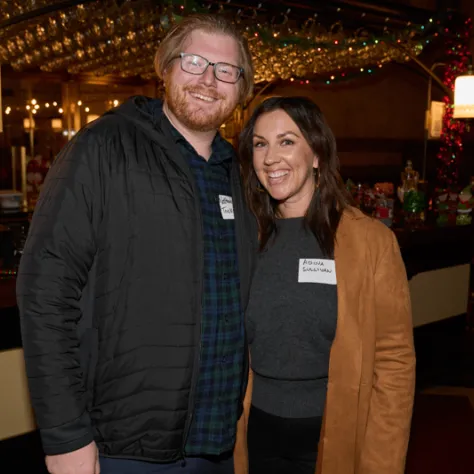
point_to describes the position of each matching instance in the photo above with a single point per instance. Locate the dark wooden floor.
(442, 435)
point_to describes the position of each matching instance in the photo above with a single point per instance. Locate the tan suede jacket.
(372, 363)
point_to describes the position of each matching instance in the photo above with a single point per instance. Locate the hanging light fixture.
(464, 96)
(56, 124)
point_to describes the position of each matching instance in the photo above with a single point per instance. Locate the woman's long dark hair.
(325, 209)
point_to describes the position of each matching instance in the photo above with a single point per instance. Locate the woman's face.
(284, 162)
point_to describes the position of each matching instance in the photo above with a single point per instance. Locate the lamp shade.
(464, 97)
(28, 123)
(56, 124)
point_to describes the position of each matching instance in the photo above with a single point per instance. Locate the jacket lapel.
(345, 362)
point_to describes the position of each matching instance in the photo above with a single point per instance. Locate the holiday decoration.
(457, 48)
(465, 205)
(120, 38)
(36, 171)
(446, 207)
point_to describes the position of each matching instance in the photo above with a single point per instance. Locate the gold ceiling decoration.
(120, 38)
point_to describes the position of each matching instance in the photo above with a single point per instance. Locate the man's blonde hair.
(172, 45)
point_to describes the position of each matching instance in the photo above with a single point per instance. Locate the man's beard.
(197, 119)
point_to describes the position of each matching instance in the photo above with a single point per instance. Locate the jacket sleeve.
(388, 428)
(58, 255)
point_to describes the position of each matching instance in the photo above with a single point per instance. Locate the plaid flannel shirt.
(222, 326)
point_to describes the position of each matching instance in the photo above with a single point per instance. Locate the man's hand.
(81, 461)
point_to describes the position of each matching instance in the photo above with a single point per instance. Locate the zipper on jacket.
(174, 150)
(197, 357)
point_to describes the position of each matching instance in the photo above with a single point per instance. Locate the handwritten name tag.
(227, 208)
(317, 270)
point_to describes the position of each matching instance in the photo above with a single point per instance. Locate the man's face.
(201, 102)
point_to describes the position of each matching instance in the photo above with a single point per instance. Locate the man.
(136, 272)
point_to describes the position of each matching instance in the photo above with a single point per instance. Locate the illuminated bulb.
(46, 105)
(34, 111)
(464, 96)
(28, 107)
(60, 110)
(8, 110)
(87, 109)
(55, 104)
(79, 103)
(33, 101)
(116, 102)
(37, 106)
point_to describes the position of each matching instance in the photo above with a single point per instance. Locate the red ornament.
(453, 130)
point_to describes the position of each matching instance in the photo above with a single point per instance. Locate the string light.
(37, 106)
(122, 40)
(451, 148)
(342, 77)
(7, 274)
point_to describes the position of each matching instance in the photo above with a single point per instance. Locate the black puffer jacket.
(109, 289)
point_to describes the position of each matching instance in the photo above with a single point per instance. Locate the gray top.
(291, 326)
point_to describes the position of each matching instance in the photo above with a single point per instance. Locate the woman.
(329, 318)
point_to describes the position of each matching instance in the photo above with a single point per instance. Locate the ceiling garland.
(117, 37)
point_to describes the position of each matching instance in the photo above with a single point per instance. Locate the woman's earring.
(317, 177)
(260, 188)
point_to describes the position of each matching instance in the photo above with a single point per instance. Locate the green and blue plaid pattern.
(222, 327)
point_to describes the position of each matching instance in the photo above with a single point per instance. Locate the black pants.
(282, 445)
(213, 465)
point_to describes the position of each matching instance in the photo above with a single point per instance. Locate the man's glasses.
(197, 65)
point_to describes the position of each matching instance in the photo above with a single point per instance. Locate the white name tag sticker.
(317, 270)
(227, 208)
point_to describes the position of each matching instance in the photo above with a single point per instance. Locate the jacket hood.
(144, 111)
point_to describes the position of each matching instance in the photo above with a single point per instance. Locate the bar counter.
(438, 263)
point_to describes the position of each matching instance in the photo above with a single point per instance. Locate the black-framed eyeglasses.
(197, 65)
